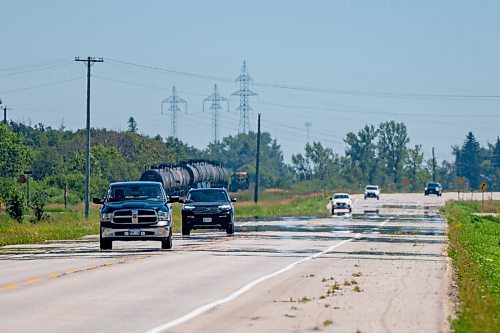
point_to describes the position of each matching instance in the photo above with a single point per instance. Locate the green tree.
(132, 125)
(393, 139)
(469, 160)
(15, 156)
(413, 167)
(361, 151)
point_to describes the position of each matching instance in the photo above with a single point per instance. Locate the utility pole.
(257, 162)
(215, 98)
(90, 61)
(433, 166)
(5, 108)
(245, 81)
(174, 100)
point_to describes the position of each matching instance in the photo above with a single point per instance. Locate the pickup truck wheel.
(378, 198)
(350, 210)
(106, 244)
(167, 243)
(185, 230)
(230, 229)
(365, 197)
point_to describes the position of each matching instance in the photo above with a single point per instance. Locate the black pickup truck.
(133, 211)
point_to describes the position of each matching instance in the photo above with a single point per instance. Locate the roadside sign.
(460, 180)
(483, 186)
(406, 181)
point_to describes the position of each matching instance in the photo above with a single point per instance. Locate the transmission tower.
(245, 82)
(174, 102)
(308, 130)
(216, 100)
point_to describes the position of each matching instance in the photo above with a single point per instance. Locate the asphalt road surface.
(382, 268)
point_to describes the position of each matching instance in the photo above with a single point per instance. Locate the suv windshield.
(341, 196)
(372, 188)
(207, 196)
(134, 192)
(433, 185)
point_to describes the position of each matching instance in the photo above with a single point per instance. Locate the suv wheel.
(105, 244)
(185, 229)
(333, 211)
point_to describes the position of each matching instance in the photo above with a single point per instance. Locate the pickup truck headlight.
(106, 217)
(163, 216)
(224, 207)
(188, 207)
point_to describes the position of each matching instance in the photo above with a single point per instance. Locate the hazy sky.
(424, 63)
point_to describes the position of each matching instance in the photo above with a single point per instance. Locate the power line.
(38, 64)
(366, 93)
(38, 69)
(42, 85)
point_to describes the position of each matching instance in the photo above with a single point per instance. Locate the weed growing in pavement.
(304, 299)
(327, 305)
(347, 283)
(354, 281)
(289, 315)
(327, 322)
(358, 274)
(322, 297)
(357, 289)
(294, 308)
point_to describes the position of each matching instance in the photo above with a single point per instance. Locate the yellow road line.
(30, 281)
(9, 287)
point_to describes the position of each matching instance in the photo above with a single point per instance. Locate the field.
(475, 249)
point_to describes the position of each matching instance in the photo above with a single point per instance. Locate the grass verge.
(475, 251)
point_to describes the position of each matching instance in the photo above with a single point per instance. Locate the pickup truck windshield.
(134, 192)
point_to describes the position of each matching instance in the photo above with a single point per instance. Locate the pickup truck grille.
(134, 216)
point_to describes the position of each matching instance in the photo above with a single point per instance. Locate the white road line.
(242, 290)
(384, 222)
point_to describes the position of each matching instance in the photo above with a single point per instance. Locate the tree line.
(373, 155)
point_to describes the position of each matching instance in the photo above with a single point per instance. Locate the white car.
(372, 191)
(341, 201)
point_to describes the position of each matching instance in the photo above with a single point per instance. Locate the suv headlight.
(224, 207)
(188, 207)
(106, 217)
(163, 216)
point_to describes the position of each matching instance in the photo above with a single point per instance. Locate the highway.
(382, 269)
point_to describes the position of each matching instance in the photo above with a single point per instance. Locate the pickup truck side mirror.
(98, 201)
(234, 199)
(174, 198)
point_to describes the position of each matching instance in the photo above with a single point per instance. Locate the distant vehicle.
(133, 211)
(207, 208)
(239, 181)
(341, 201)
(372, 191)
(433, 188)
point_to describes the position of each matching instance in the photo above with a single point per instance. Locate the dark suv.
(433, 188)
(207, 208)
(135, 211)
